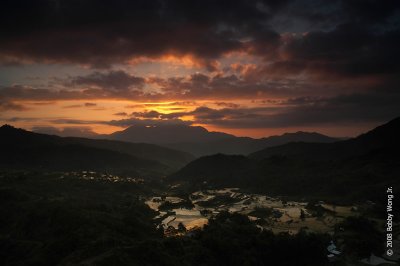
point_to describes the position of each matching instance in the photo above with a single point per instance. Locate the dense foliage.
(48, 220)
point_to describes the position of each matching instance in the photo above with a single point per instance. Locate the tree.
(302, 214)
(181, 227)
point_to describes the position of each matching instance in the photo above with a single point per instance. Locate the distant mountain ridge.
(356, 169)
(199, 141)
(382, 137)
(21, 148)
(168, 134)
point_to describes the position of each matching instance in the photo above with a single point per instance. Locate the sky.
(249, 68)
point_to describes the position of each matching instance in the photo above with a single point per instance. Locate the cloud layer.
(295, 62)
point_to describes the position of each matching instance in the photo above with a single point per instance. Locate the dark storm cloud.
(20, 92)
(113, 80)
(353, 38)
(371, 11)
(348, 50)
(341, 37)
(104, 32)
(185, 89)
(302, 111)
(306, 111)
(231, 86)
(336, 61)
(308, 15)
(65, 92)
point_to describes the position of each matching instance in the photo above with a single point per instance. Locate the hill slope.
(382, 137)
(172, 158)
(355, 169)
(22, 148)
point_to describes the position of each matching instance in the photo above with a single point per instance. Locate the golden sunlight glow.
(185, 60)
(95, 115)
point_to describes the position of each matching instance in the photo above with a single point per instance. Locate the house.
(334, 254)
(333, 249)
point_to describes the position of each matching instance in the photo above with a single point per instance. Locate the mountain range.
(199, 141)
(357, 168)
(125, 150)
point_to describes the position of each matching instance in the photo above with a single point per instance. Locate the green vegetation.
(260, 212)
(167, 205)
(46, 220)
(360, 237)
(317, 210)
(231, 239)
(49, 220)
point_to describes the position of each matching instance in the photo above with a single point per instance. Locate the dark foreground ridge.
(23, 149)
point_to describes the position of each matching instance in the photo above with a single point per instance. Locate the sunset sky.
(250, 68)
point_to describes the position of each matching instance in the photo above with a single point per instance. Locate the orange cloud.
(186, 60)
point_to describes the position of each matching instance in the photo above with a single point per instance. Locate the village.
(183, 216)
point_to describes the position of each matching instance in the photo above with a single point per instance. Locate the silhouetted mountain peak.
(10, 135)
(199, 141)
(164, 134)
(298, 133)
(19, 136)
(164, 129)
(7, 127)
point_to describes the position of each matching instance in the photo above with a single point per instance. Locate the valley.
(68, 201)
(268, 213)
